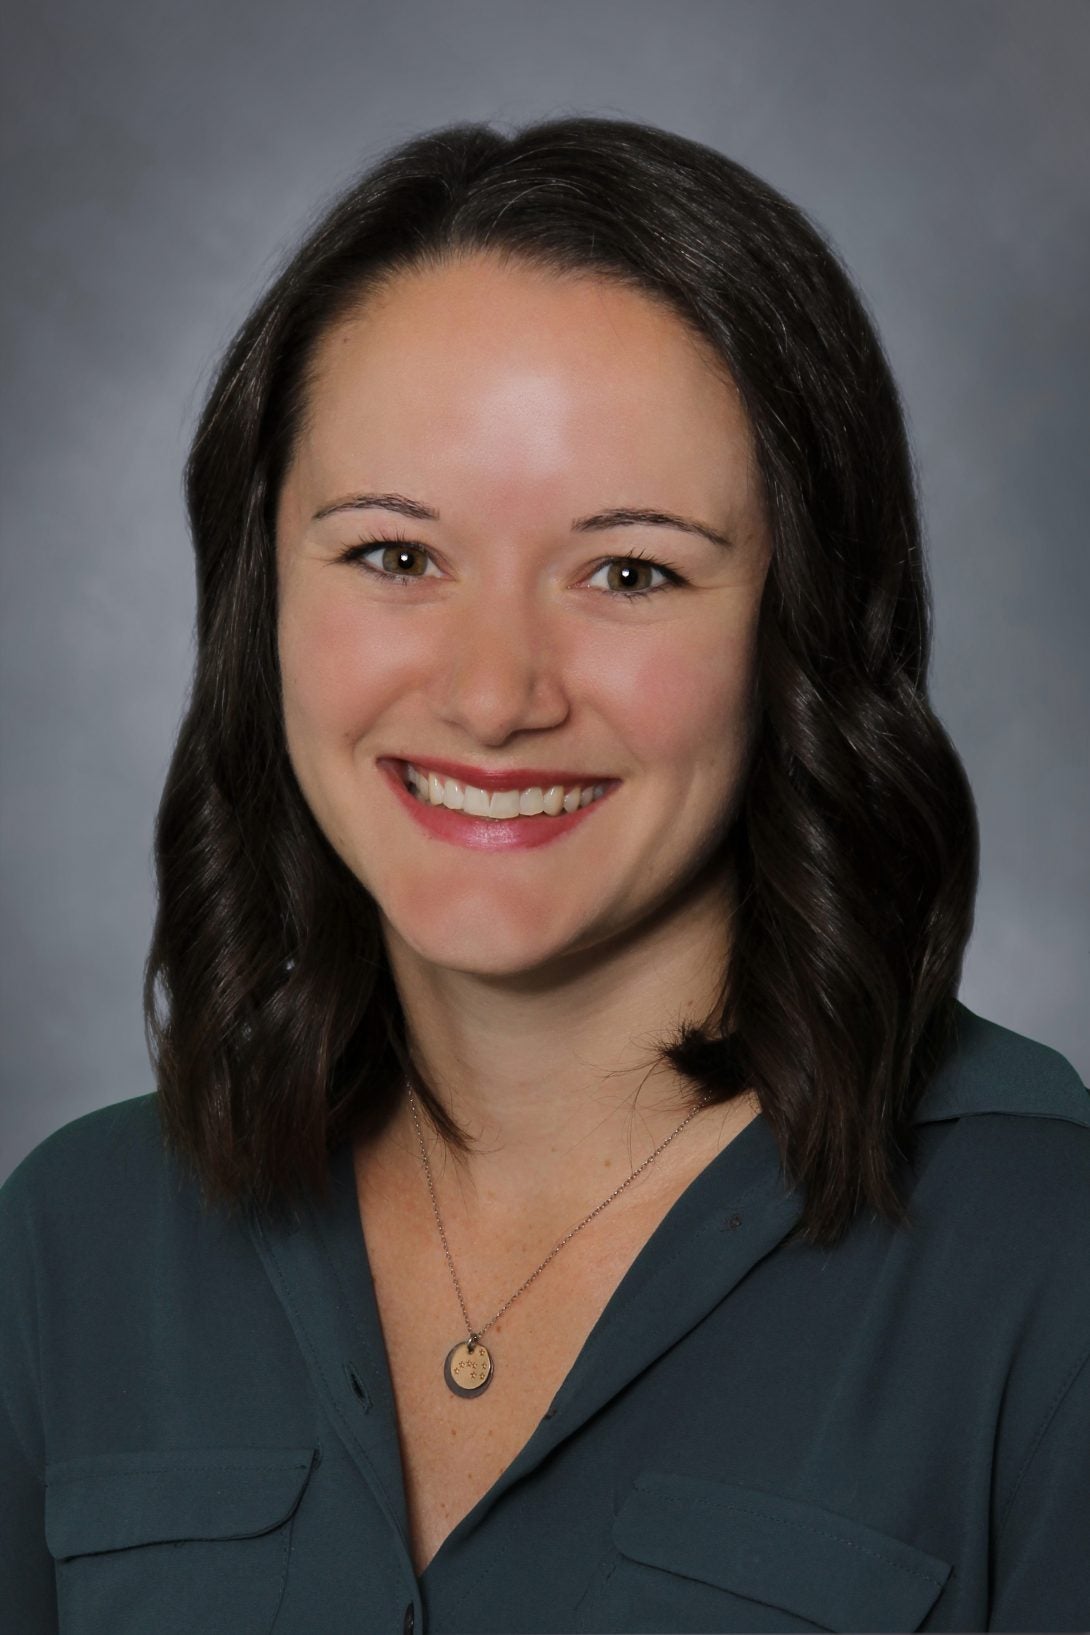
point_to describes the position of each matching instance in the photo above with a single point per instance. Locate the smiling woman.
(559, 731)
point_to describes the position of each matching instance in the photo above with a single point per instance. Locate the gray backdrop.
(160, 158)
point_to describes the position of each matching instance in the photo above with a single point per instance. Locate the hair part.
(854, 846)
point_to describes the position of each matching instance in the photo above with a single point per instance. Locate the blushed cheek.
(689, 707)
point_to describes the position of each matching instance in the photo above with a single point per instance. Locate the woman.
(573, 1197)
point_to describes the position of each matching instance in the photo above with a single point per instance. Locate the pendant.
(468, 1372)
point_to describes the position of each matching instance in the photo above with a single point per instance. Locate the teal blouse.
(197, 1428)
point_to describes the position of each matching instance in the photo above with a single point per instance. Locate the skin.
(513, 400)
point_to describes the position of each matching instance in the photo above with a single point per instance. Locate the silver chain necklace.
(469, 1368)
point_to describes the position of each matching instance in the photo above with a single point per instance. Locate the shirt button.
(408, 1620)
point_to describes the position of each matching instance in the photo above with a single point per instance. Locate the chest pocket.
(173, 1540)
(702, 1555)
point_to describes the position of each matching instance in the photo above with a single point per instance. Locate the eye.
(631, 566)
(401, 548)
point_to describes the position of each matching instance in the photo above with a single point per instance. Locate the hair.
(854, 843)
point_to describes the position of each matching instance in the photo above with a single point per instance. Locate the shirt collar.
(990, 1069)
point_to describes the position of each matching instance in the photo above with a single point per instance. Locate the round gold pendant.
(468, 1372)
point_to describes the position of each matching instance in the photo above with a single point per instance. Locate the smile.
(435, 790)
(504, 819)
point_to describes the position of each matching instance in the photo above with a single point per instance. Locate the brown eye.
(395, 559)
(626, 574)
(625, 571)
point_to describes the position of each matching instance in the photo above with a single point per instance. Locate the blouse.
(198, 1429)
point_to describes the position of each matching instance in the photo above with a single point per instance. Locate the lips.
(493, 835)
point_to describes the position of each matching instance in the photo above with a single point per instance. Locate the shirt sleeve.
(27, 1575)
(1041, 1567)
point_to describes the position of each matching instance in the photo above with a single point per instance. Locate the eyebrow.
(620, 517)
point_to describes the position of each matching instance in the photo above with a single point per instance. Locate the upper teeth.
(500, 803)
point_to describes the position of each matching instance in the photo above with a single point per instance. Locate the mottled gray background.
(159, 160)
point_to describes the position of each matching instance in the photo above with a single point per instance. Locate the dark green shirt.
(197, 1429)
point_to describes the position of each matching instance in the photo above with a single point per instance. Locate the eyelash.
(356, 553)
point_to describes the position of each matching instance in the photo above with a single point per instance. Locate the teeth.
(502, 803)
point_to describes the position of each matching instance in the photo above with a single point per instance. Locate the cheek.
(689, 704)
(331, 674)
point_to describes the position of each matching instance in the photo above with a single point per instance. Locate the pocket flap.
(109, 1501)
(824, 1567)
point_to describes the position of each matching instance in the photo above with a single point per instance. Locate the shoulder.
(1003, 1175)
(74, 1218)
(103, 1165)
(1017, 1103)
(1018, 1123)
(990, 1069)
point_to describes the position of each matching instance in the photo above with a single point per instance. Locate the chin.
(479, 941)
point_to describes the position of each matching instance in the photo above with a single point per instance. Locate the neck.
(555, 1082)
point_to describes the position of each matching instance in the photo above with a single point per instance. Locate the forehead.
(520, 382)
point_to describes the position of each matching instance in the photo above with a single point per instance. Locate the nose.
(499, 669)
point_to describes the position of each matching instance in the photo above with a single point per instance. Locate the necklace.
(469, 1368)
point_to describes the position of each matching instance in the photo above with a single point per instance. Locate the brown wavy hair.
(855, 844)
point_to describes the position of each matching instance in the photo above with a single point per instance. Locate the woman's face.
(511, 403)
